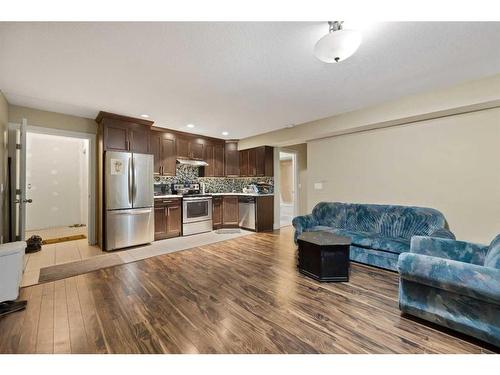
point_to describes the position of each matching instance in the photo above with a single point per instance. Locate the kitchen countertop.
(166, 196)
(243, 194)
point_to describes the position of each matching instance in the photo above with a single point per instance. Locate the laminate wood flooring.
(243, 295)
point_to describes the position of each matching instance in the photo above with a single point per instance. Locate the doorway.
(52, 184)
(57, 182)
(287, 187)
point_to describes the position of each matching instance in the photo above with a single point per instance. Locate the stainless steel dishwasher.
(247, 212)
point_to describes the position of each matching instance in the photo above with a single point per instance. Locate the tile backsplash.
(189, 173)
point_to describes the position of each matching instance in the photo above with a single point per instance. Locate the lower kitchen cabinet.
(168, 218)
(217, 212)
(230, 211)
(264, 213)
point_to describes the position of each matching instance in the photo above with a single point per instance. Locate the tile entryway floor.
(79, 250)
(57, 232)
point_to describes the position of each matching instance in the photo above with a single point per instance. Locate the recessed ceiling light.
(190, 126)
(145, 116)
(225, 133)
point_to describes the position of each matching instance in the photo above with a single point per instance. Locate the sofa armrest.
(482, 283)
(301, 223)
(449, 249)
(443, 233)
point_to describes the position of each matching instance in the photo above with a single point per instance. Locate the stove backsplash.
(189, 173)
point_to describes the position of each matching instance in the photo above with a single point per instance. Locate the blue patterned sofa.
(379, 233)
(453, 283)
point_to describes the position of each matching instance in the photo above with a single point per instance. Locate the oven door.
(196, 209)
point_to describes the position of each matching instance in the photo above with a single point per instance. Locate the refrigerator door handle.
(130, 168)
(131, 212)
(134, 182)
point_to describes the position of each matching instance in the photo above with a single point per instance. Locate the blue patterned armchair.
(455, 284)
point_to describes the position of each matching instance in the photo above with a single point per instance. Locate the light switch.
(318, 186)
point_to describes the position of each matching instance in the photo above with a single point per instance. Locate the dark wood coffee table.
(324, 256)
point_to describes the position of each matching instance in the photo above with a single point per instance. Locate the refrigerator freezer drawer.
(126, 228)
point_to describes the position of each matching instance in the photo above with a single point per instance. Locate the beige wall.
(4, 120)
(449, 163)
(468, 96)
(54, 120)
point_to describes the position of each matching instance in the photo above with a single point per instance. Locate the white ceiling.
(246, 78)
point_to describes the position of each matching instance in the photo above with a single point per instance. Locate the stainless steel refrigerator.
(128, 185)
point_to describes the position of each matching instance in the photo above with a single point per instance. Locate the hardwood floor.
(239, 296)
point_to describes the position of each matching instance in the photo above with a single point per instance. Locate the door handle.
(24, 201)
(130, 180)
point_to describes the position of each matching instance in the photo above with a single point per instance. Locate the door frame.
(295, 167)
(92, 167)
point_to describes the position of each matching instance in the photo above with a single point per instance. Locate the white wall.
(57, 169)
(450, 163)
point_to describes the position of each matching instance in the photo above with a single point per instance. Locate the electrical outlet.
(318, 186)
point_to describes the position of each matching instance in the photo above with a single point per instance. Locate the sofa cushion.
(392, 245)
(317, 228)
(364, 217)
(362, 239)
(493, 256)
(405, 222)
(330, 214)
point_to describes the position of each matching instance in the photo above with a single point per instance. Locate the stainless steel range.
(196, 208)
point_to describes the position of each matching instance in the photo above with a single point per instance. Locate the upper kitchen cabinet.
(197, 148)
(264, 161)
(163, 147)
(182, 147)
(214, 156)
(243, 163)
(256, 161)
(190, 147)
(219, 160)
(232, 159)
(123, 133)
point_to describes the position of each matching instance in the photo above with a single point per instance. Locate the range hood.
(193, 163)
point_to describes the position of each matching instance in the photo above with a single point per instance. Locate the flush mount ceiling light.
(145, 116)
(225, 133)
(338, 44)
(190, 126)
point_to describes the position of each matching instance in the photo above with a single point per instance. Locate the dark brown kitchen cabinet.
(219, 160)
(251, 162)
(162, 146)
(217, 212)
(232, 159)
(168, 218)
(214, 156)
(264, 213)
(122, 133)
(196, 149)
(264, 161)
(243, 163)
(190, 148)
(256, 161)
(183, 147)
(230, 211)
(209, 158)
